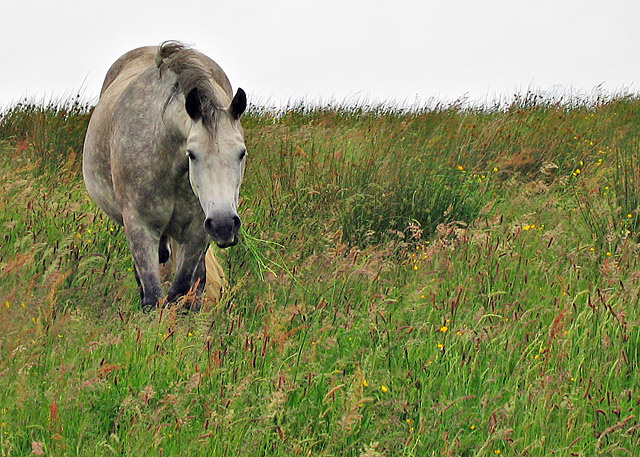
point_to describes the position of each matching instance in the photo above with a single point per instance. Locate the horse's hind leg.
(164, 250)
(144, 248)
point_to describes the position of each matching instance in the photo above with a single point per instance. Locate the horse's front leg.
(190, 268)
(143, 244)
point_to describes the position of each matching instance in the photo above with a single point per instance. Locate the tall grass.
(627, 188)
(444, 281)
(54, 131)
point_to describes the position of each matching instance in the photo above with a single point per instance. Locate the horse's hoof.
(147, 308)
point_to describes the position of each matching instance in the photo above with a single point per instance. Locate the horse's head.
(217, 155)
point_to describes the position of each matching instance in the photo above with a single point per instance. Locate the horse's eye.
(243, 154)
(190, 155)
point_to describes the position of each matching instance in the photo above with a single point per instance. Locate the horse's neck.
(176, 121)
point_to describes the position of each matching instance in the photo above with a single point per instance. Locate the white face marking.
(216, 165)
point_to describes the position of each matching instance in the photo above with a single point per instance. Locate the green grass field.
(441, 282)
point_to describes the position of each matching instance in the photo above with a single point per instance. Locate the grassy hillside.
(441, 282)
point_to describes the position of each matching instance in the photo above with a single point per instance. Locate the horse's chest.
(186, 211)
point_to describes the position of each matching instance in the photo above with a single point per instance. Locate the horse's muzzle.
(223, 229)
(228, 245)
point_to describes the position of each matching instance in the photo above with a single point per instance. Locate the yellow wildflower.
(444, 329)
(384, 388)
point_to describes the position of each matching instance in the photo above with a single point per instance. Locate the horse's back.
(139, 59)
(130, 64)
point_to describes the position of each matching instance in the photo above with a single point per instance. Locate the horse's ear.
(238, 104)
(192, 104)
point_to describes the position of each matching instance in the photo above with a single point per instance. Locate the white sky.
(403, 51)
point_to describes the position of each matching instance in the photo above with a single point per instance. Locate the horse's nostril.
(208, 226)
(236, 222)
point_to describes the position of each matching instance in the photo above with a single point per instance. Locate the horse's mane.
(191, 73)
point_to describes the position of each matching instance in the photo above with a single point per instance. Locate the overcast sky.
(400, 51)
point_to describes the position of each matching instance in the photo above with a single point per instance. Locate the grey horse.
(164, 155)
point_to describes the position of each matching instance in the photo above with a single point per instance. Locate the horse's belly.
(102, 194)
(96, 170)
